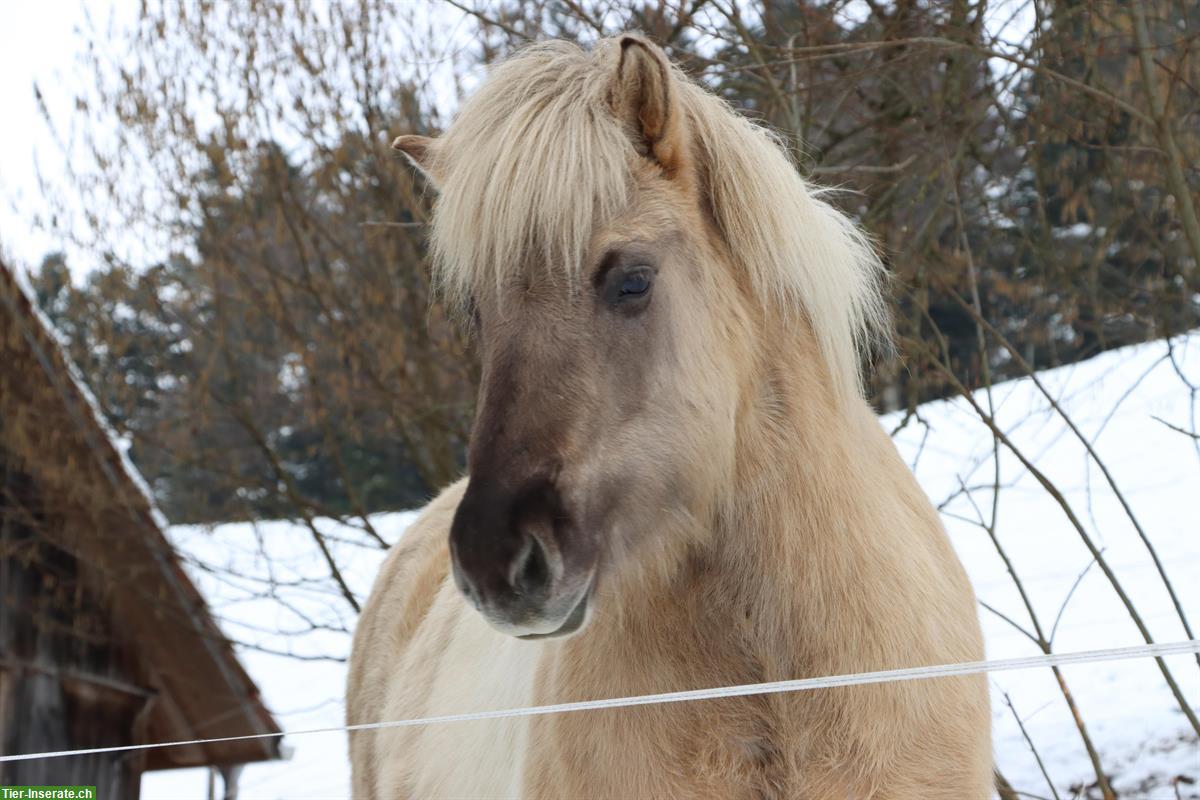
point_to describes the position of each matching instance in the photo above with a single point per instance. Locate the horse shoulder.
(403, 592)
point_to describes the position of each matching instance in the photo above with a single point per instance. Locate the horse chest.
(740, 748)
(735, 748)
(708, 751)
(478, 670)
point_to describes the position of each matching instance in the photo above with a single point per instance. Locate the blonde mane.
(535, 161)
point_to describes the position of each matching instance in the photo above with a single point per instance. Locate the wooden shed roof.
(114, 530)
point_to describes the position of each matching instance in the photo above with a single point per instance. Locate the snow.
(269, 587)
(1117, 401)
(1114, 400)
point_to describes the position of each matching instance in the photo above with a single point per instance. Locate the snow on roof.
(119, 443)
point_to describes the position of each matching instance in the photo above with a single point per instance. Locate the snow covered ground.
(1123, 402)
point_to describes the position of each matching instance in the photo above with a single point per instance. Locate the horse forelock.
(536, 163)
(533, 164)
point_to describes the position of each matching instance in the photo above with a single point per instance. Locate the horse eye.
(627, 290)
(635, 284)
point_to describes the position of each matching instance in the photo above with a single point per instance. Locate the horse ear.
(421, 152)
(644, 100)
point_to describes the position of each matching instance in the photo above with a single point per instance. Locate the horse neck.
(813, 482)
(778, 582)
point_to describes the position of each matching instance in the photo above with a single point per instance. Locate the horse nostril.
(465, 586)
(530, 573)
(472, 596)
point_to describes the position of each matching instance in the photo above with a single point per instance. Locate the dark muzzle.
(518, 558)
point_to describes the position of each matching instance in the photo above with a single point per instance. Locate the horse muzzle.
(519, 560)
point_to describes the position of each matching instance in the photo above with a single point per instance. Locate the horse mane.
(536, 160)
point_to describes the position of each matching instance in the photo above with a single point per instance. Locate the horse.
(673, 478)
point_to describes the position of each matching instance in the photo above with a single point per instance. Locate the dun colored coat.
(674, 482)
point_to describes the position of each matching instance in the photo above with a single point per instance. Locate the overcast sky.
(39, 41)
